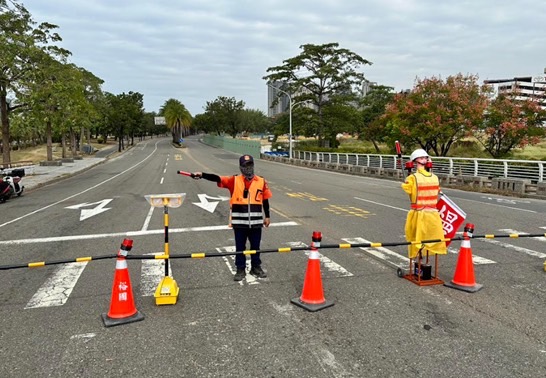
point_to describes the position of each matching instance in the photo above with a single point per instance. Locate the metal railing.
(491, 168)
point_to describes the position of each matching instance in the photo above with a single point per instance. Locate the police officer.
(248, 204)
(423, 221)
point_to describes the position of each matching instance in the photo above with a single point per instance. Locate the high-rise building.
(522, 88)
(282, 103)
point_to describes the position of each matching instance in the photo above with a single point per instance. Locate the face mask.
(247, 171)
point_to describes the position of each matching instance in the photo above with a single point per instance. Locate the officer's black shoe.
(241, 273)
(258, 272)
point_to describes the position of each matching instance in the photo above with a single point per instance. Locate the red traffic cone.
(463, 278)
(312, 297)
(122, 304)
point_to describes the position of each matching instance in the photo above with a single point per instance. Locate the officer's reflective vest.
(246, 204)
(428, 188)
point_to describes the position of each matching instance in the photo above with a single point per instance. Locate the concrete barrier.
(510, 185)
(396, 174)
(473, 181)
(52, 163)
(541, 189)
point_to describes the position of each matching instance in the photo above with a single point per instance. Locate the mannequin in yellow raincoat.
(423, 221)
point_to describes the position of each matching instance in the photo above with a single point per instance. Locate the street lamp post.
(289, 117)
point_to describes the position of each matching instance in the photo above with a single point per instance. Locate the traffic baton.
(399, 154)
(186, 174)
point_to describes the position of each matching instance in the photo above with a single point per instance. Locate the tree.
(372, 108)
(223, 115)
(22, 47)
(511, 123)
(125, 115)
(62, 96)
(436, 113)
(324, 74)
(177, 117)
(254, 121)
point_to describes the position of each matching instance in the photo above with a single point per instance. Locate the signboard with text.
(452, 216)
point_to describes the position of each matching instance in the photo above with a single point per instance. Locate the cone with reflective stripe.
(312, 297)
(122, 305)
(464, 278)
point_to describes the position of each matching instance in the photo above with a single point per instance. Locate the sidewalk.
(37, 175)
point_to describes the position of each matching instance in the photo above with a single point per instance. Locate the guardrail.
(519, 177)
(521, 169)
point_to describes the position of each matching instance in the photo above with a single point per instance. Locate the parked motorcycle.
(11, 184)
(5, 191)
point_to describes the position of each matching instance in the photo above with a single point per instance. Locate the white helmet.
(417, 154)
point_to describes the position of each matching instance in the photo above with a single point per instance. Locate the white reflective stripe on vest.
(247, 222)
(238, 214)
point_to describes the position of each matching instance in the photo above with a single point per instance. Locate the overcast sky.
(197, 50)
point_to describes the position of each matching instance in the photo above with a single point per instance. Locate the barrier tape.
(201, 255)
(39, 264)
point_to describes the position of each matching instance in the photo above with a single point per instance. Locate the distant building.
(522, 88)
(283, 101)
(367, 87)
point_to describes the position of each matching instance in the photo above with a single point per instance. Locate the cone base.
(312, 307)
(468, 289)
(110, 322)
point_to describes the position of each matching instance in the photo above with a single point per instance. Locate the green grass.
(536, 152)
(470, 149)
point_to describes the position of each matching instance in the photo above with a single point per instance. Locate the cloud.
(195, 51)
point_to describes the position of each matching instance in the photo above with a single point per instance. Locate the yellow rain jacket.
(423, 221)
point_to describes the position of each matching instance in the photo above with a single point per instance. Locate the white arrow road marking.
(209, 206)
(88, 213)
(56, 290)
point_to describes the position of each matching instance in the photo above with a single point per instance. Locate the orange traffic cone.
(464, 271)
(122, 304)
(312, 297)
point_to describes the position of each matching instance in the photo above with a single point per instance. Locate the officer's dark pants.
(254, 236)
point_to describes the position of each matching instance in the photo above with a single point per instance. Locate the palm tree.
(177, 117)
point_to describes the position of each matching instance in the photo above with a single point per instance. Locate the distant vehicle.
(277, 153)
(270, 138)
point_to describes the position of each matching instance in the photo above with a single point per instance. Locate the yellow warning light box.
(162, 200)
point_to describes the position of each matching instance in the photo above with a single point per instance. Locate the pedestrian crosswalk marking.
(151, 274)
(510, 231)
(382, 253)
(477, 260)
(230, 262)
(527, 251)
(328, 264)
(58, 287)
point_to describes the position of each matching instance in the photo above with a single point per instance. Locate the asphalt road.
(380, 325)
